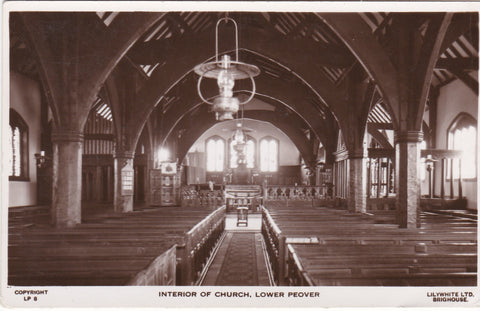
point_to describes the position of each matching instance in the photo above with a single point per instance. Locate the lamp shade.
(226, 71)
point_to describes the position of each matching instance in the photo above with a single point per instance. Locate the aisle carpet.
(239, 266)
(239, 261)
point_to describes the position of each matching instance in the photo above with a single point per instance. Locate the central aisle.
(240, 260)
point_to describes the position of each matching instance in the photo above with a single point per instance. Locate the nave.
(302, 245)
(354, 146)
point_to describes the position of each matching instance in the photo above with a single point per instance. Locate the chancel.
(243, 148)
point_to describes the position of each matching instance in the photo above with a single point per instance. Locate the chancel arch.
(292, 128)
(287, 154)
(291, 94)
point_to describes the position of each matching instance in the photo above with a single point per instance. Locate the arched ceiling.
(287, 96)
(190, 135)
(279, 83)
(301, 49)
(324, 59)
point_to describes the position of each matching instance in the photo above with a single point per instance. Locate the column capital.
(408, 136)
(356, 154)
(124, 154)
(67, 136)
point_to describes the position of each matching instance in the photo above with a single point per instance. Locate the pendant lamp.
(226, 71)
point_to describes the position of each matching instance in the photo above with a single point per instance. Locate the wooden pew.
(113, 249)
(357, 249)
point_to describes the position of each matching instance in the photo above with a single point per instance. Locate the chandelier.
(239, 144)
(239, 139)
(226, 71)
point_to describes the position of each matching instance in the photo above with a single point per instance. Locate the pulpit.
(241, 175)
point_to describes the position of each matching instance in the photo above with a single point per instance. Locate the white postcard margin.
(26, 297)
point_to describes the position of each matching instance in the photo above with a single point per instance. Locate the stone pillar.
(123, 182)
(357, 182)
(67, 178)
(407, 148)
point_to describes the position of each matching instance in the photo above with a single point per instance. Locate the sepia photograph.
(201, 154)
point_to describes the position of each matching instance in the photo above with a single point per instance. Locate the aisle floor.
(254, 223)
(240, 261)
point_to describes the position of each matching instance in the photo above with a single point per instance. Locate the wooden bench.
(109, 250)
(417, 279)
(358, 249)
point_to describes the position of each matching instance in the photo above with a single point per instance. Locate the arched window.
(269, 154)
(18, 147)
(249, 153)
(215, 154)
(462, 135)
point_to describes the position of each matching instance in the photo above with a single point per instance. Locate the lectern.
(242, 216)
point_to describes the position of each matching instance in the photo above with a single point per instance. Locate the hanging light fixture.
(226, 71)
(239, 139)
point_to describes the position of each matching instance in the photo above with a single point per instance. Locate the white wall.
(289, 154)
(454, 98)
(25, 99)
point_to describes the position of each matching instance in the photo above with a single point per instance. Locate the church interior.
(242, 148)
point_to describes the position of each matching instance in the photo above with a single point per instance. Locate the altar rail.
(192, 197)
(162, 271)
(275, 245)
(202, 198)
(199, 243)
(249, 196)
(297, 192)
